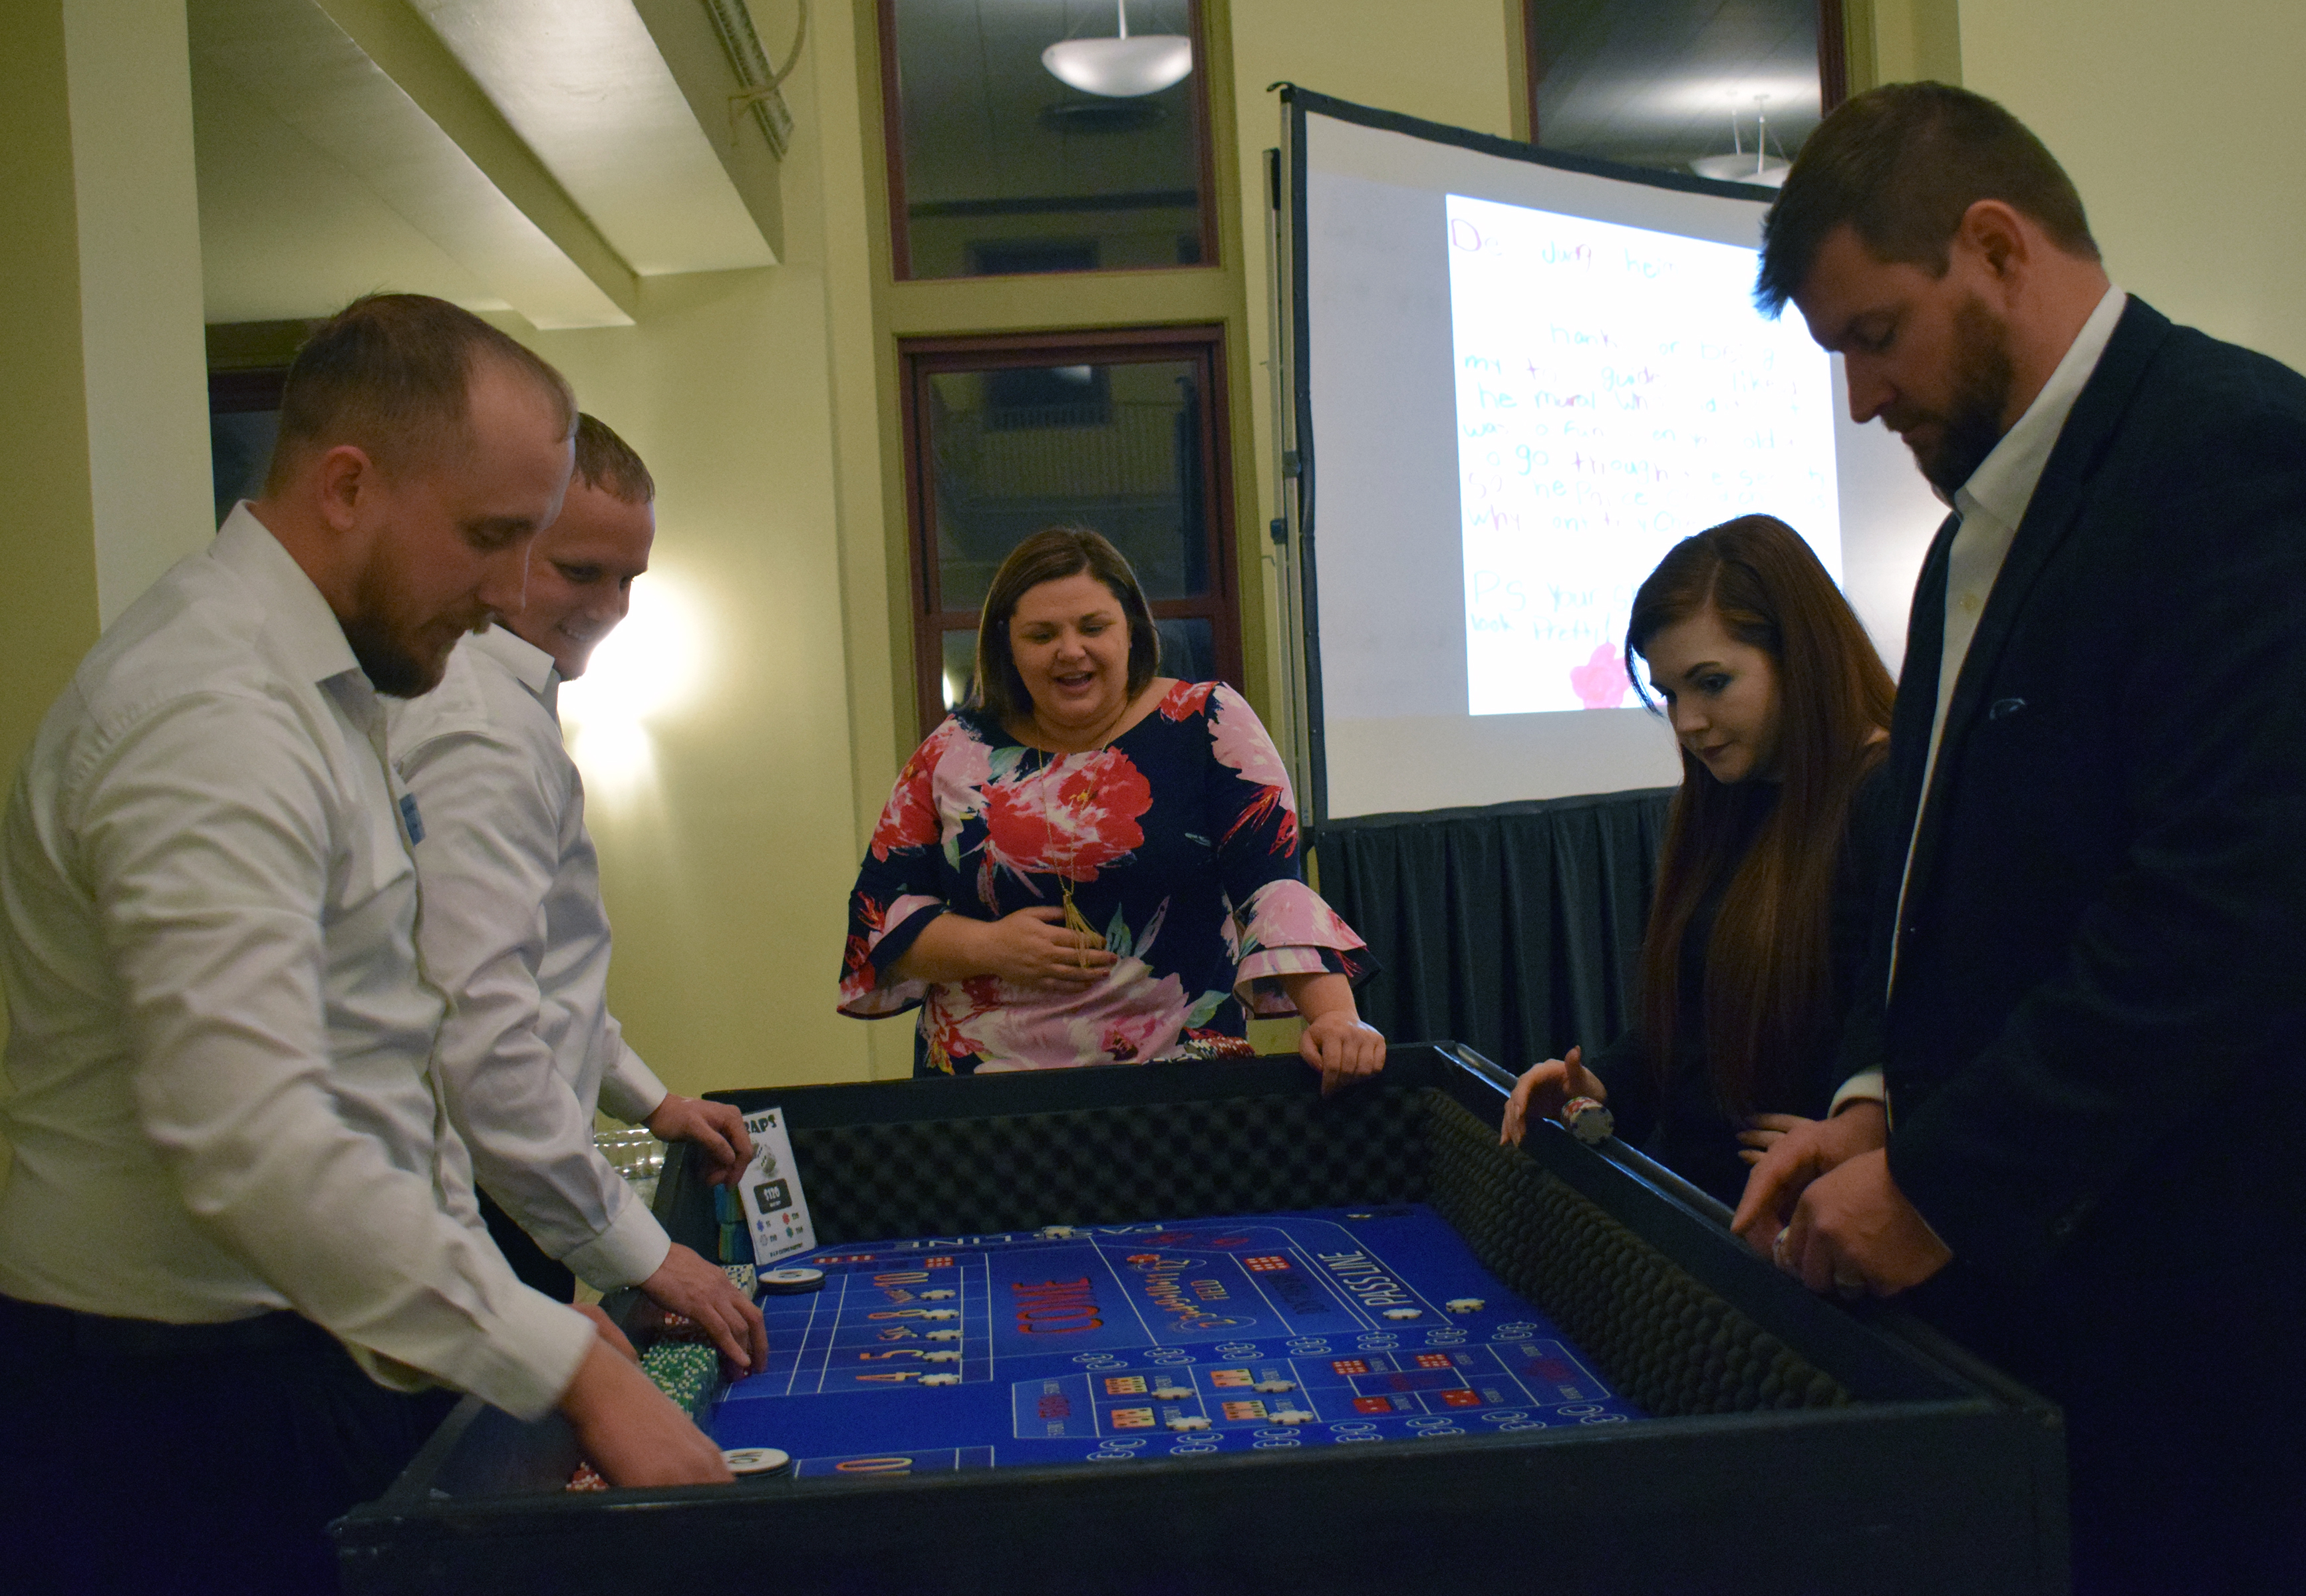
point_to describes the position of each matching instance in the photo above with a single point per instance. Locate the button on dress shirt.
(219, 1029)
(514, 928)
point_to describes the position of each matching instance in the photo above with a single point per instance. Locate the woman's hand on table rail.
(1543, 1088)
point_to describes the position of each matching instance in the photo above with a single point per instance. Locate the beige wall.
(2179, 124)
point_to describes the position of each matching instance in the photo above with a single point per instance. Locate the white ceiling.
(535, 155)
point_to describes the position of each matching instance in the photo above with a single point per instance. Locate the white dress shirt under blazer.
(513, 930)
(1991, 504)
(218, 1030)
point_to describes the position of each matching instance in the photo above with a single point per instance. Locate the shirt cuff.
(629, 1089)
(632, 1249)
(1865, 1086)
(522, 1363)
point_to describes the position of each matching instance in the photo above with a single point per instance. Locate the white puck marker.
(755, 1460)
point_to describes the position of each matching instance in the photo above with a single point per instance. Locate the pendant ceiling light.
(1741, 166)
(1125, 67)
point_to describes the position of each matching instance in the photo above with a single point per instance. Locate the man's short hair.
(607, 463)
(1903, 164)
(392, 373)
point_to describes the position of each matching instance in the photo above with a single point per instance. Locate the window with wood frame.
(1671, 84)
(1122, 431)
(998, 165)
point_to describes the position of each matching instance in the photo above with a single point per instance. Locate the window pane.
(240, 453)
(1116, 448)
(1189, 649)
(1007, 168)
(959, 666)
(1660, 84)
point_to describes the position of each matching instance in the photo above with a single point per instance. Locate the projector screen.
(1520, 379)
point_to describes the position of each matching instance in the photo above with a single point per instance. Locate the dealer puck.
(755, 1460)
(787, 1282)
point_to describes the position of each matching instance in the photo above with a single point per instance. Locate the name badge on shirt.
(410, 820)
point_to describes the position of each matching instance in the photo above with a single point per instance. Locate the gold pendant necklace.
(1074, 920)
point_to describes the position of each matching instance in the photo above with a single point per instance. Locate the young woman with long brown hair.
(1751, 1007)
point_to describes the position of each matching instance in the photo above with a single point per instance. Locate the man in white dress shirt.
(225, 1232)
(515, 932)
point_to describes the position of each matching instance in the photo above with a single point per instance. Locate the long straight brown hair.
(1768, 965)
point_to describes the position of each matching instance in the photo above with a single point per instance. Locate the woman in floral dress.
(1092, 864)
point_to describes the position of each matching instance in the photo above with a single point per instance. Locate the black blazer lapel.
(2049, 515)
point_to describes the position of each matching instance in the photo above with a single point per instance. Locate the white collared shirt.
(1994, 500)
(514, 929)
(218, 1030)
(1991, 505)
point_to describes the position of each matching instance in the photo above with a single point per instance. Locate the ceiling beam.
(690, 42)
(369, 83)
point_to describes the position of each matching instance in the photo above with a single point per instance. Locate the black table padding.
(1514, 928)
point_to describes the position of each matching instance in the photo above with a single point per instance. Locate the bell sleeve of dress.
(901, 887)
(1279, 927)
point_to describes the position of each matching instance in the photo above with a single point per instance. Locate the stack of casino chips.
(734, 1245)
(684, 1370)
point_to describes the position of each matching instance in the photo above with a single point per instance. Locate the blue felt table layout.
(1109, 1344)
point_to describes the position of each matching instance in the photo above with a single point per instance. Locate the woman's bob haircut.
(1052, 555)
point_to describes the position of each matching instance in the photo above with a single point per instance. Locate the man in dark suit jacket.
(2089, 1159)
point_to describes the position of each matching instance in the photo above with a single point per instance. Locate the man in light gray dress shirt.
(227, 1249)
(515, 931)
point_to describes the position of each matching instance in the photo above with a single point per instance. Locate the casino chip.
(742, 1277)
(1275, 1385)
(1170, 1392)
(1588, 1121)
(940, 1380)
(792, 1282)
(1189, 1421)
(939, 1313)
(942, 1355)
(1058, 1233)
(1464, 1304)
(944, 1336)
(755, 1460)
(684, 1370)
(935, 1296)
(1405, 1313)
(1290, 1416)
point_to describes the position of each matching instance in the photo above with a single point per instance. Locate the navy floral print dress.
(1179, 840)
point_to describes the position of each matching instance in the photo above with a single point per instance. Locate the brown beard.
(391, 665)
(1971, 424)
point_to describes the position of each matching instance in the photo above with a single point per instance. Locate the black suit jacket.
(2096, 1045)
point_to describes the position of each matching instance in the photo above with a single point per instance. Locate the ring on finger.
(1778, 1248)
